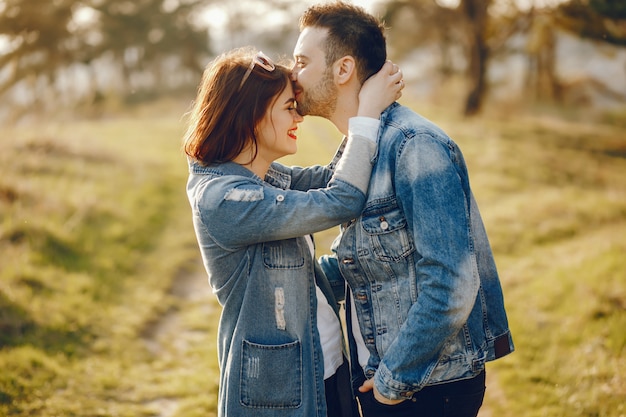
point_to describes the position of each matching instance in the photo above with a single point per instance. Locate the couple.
(424, 306)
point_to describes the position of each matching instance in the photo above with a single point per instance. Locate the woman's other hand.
(380, 90)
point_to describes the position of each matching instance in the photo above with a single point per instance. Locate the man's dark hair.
(351, 31)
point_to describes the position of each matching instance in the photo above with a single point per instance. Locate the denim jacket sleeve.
(298, 178)
(433, 192)
(238, 210)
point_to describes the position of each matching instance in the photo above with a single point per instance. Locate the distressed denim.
(250, 233)
(419, 264)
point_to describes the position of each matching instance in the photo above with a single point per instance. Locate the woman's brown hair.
(226, 112)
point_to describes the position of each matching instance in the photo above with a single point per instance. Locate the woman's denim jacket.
(419, 265)
(262, 272)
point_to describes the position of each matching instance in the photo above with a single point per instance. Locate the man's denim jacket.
(250, 234)
(419, 265)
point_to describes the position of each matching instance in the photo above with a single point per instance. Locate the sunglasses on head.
(262, 61)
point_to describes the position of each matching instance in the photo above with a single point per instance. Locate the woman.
(252, 218)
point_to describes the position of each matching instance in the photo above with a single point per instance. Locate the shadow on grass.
(50, 248)
(17, 328)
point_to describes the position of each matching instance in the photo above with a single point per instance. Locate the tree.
(476, 20)
(541, 79)
(142, 34)
(602, 20)
(149, 39)
(468, 25)
(38, 39)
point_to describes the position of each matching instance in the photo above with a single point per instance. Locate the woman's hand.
(380, 90)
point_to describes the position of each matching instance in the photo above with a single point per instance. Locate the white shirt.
(328, 327)
(361, 350)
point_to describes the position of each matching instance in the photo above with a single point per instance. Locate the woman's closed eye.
(292, 105)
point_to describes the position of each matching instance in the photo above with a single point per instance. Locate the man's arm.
(433, 197)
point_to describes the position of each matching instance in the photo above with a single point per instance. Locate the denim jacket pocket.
(283, 254)
(388, 235)
(271, 375)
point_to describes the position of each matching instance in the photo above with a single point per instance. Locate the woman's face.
(276, 133)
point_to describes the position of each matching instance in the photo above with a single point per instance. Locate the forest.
(82, 53)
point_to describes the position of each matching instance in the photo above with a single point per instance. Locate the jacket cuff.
(390, 388)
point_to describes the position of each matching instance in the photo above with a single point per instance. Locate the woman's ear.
(344, 69)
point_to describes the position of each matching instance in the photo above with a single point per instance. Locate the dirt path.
(173, 335)
(189, 290)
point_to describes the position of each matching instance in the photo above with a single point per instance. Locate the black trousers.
(339, 399)
(454, 399)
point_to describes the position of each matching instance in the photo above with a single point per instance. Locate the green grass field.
(105, 311)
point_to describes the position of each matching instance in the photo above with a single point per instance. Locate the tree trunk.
(476, 14)
(541, 79)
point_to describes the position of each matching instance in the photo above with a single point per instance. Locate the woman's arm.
(377, 93)
(238, 211)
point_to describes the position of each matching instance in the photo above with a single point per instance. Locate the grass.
(554, 199)
(105, 311)
(94, 231)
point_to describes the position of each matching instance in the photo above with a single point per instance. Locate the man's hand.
(369, 385)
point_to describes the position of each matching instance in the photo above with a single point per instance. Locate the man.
(423, 281)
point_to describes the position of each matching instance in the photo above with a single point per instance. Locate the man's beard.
(320, 100)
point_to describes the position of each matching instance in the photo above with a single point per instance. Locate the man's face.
(314, 86)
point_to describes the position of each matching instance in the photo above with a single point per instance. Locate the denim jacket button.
(384, 225)
(280, 197)
(347, 261)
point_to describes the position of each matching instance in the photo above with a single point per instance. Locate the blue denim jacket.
(419, 264)
(262, 272)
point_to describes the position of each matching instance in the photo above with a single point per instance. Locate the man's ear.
(344, 69)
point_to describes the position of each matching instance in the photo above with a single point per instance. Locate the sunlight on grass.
(105, 309)
(92, 221)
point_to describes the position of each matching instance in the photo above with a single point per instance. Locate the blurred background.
(82, 55)
(105, 309)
